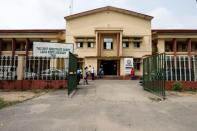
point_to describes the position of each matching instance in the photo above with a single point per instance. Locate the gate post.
(20, 67)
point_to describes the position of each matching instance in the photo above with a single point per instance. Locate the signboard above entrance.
(47, 49)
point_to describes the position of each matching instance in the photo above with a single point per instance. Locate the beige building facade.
(105, 37)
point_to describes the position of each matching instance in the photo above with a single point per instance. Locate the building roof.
(32, 30)
(109, 8)
(173, 31)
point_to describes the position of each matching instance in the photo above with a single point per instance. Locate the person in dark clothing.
(92, 73)
(78, 76)
(101, 73)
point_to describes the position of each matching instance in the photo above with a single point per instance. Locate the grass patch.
(6, 103)
(2, 103)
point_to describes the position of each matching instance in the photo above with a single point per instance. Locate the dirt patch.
(185, 93)
(13, 97)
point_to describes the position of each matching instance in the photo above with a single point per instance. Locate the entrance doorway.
(109, 67)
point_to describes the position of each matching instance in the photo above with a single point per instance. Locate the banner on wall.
(128, 64)
(47, 49)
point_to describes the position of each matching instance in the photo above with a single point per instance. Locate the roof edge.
(174, 30)
(129, 12)
(31, 30)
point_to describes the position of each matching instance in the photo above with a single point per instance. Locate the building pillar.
(99, 44)
(174, 42)
(27, 43)
(13, 46)
(120, 46)
(1, 46)
(189, 47)
(20, 67)
(118, 67)
(118, 43)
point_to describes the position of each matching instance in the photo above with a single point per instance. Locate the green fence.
(154, 74)
(72, 73)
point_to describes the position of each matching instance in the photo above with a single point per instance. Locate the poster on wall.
(47, 49)
(128, 64)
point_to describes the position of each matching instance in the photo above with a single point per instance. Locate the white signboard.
(47, 49)
(128, 64)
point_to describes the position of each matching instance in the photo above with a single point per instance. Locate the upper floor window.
(125, 45)
(85, 42)
(80, 45)
(108, 43)
(90, 45)
(134, 40)
(136, 44)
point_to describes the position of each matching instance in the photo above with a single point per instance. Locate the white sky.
(48, 14)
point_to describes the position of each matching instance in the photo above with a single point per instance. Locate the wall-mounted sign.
(128, 64)
(47, 49)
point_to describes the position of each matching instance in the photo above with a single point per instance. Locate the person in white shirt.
(92, 73)
(86, 75)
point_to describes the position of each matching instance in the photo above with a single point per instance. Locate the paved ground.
(102, 106)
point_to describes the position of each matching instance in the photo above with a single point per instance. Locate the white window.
(108, 43)
(125, 45)
(80, 44)
(136, 44)
(90, 45)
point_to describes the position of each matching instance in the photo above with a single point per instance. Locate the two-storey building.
(105, 37)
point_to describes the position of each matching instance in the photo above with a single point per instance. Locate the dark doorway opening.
(109, 67)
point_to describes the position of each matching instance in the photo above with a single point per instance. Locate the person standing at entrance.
(92, 73)
(86, 75)
(101, 72)
(78, 75)
(132, 73)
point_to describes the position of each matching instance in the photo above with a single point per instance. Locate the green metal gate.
(72, 73)
(154, 74)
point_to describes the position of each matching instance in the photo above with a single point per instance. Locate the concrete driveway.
(104, 105)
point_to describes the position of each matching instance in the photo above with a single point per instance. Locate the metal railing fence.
(8, 67)
(181, 68)
(45, 68)
(33, 68)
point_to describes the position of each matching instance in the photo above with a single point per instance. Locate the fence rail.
(8, 67)
(181, 68)
(33, 68)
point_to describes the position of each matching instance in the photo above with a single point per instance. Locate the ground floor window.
(137, 63)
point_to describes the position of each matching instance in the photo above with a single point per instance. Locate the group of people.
(91, 72)
(87, 73)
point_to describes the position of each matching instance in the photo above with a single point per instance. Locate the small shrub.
(177, 86)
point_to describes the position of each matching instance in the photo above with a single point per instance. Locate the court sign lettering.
(47, 49)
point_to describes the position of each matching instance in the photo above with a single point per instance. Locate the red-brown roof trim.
(32, 30)
(109, 8)
(174, 30)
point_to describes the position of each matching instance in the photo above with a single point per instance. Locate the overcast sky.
(48, 14)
